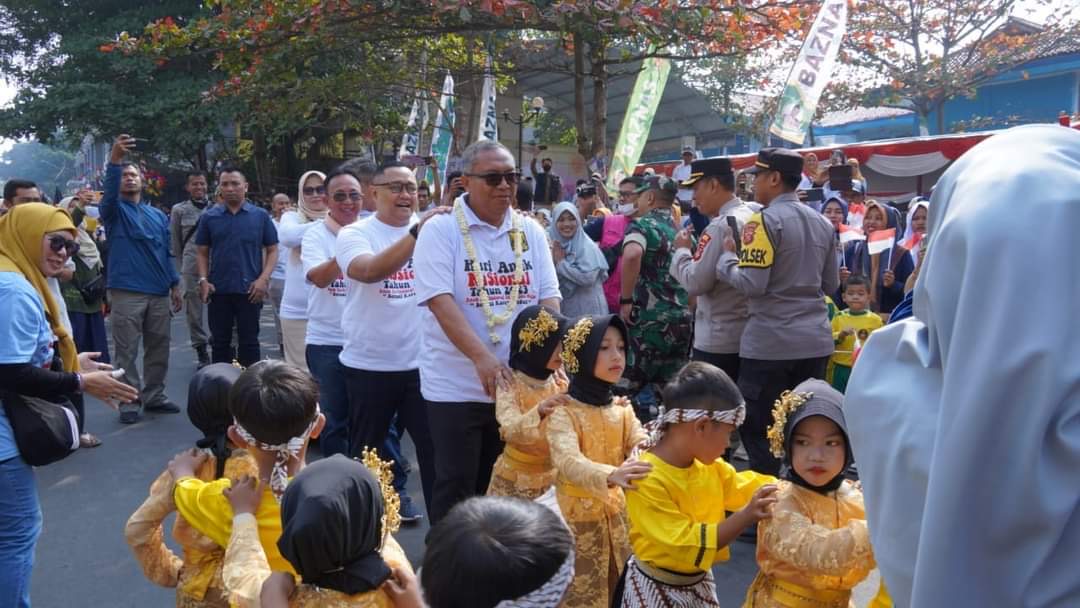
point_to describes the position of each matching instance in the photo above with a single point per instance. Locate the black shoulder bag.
(45, 430)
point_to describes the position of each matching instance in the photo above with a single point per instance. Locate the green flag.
(444, 126)
(637, 121)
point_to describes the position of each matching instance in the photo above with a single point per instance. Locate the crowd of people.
(570, 378)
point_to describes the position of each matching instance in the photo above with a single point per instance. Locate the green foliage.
(49, 167)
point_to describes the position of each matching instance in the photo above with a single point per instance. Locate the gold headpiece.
(537, 330)
(573, 342)
(785, 405)
(383, 471)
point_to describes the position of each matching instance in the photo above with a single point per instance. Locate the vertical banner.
(637, 121)
(489, 117)
(811, 72)
(444, 126)
(410, 141)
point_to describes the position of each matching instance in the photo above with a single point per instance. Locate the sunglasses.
(494, 180)
(352, 195)
(58, 243)
(309, 191)
(397, 187)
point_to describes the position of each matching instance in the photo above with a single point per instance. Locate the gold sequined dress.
(524, 469)
(587, 443)
(813, 550)
(246, 568)
(197, 576)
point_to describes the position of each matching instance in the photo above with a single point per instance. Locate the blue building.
(1034, 92)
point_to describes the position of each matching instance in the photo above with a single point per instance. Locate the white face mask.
(626, 209)
(93, 211)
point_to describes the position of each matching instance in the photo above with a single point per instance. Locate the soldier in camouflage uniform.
(653, 304)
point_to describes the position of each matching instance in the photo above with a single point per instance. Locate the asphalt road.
(82, 559)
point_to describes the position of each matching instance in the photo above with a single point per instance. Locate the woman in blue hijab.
(580, 264)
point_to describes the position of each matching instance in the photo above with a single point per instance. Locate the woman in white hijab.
(965, 419)
(579, 263)
(311, 203)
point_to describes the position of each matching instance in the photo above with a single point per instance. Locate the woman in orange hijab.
(37, 359)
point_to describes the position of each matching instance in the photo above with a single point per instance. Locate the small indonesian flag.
(913, 242)
(856, 213)
(855, 350)
(849, 234)
(882, 240)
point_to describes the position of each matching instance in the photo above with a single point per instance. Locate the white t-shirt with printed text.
(446, 374)
(381, 322)
(324, 306)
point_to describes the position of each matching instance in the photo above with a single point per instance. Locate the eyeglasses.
(494, 180)
(397, 187)
(57, 243)
(309, 191)
(352, 195)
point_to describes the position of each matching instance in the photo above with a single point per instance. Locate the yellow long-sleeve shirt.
(674, 512)
(862, 322)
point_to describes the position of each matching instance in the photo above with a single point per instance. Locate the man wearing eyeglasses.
(326, 304)
(141, 279)
(382, 323)
(467, 275)
(237, 251)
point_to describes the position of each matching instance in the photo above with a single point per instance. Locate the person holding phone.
(548, 188)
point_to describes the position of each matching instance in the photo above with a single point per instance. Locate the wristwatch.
(415, 230)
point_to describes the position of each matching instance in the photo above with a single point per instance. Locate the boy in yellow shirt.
(851, 328)
(275, 410)
(678, 522)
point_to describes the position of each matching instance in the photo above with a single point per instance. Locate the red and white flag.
(880, 241)
(912, 243)
(849, 234)
(856, 213)
(856, 350)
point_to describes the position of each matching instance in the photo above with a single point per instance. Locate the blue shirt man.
(139, 256)
(236, 254)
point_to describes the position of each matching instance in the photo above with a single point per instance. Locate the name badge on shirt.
(757, 249)
(519, 234)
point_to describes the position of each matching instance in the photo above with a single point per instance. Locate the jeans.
(20, 526)
(226, 310)
(467, 443)
(329, 373)
(375, 398)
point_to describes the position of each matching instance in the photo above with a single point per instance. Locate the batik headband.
(279, 476)
(787, 403)
(550, 593)
(656, 428)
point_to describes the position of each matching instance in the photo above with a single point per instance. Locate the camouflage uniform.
(660, 321)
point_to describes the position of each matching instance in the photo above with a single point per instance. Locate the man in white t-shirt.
(325, 306)
(470, 283)
(681, 173)
(382, 321)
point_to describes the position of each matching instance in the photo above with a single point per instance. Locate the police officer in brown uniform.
(785, 264)
(722, 311)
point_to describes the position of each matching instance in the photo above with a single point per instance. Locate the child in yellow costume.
(524, 470)
(592, 438)
(337, 517)
(196, 577)
(678, 523)
(816, 546)
(275, 413)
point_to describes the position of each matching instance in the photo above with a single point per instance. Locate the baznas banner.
(637, 122)
(444, 125)
(410, 141)
(489, 117)
(811, 72)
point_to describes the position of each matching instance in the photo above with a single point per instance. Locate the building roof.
(860, 114)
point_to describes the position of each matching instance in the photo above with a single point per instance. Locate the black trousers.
(761, 383)
(467, 443)
(374, 399)
(223, 312)
(728, 362)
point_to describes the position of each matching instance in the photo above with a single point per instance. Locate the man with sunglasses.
(141, 280)
(237, 251)
(467, 274)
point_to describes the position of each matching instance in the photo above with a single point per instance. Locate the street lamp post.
(536, 106)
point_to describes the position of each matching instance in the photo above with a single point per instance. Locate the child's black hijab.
(208, 408)
(331, 526)
(533, 338)
(825, 401)
(581, 347)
